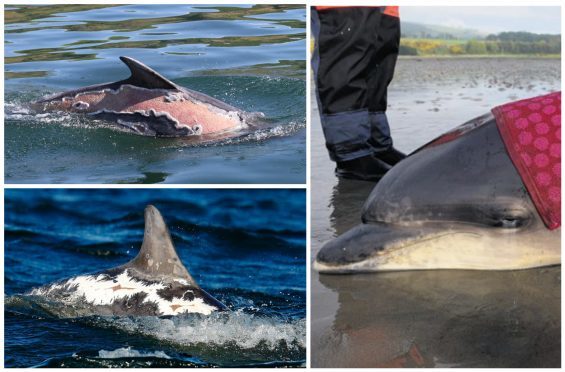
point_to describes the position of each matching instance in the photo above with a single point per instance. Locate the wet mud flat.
(440, 319)
(432, 318)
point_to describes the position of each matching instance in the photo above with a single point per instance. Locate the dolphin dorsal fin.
(145, 77)
(158, 256)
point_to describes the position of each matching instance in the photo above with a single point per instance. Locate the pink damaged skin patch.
(131, 99)
(531, 131)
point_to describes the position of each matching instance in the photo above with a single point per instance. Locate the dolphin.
(149, 104)
(154, 283)
(456, 203)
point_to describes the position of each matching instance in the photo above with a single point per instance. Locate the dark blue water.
(245, 247)
(249, 56)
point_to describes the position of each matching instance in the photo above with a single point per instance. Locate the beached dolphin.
(456, 203)
(149, 104)
(153, 283)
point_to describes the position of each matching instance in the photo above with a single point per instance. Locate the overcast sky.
(488, 19)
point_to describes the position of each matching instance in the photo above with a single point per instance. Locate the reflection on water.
(100, 27)
(432, 318)
(346, 211)
(444, 318)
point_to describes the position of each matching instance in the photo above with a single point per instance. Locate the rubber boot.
(391, 156)
(365, 168)
(381, 141)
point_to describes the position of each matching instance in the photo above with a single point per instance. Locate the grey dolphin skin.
(149, 104)
(153, 283)
(456, 203)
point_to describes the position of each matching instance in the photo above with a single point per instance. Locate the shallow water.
(251, 57)
(433, 318)
(244, 247)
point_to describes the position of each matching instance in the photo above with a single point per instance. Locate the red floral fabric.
(531, 131)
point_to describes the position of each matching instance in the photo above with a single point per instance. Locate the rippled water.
(432, 318)
(252, 57)
(245, 247)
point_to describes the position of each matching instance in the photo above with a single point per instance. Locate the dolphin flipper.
(158, 256)
(145, 77)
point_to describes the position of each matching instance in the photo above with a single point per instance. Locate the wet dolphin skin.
(456, 203)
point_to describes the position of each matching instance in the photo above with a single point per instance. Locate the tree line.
(494, 44)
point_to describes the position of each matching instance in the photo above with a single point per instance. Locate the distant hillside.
(423, 31)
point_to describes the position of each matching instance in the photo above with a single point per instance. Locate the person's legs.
(341, 62)
(386, 47)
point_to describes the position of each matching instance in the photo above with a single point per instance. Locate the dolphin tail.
(158, 256)
(145, 77)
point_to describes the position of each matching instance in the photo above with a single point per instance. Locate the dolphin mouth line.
(405, 244)
(396, 247)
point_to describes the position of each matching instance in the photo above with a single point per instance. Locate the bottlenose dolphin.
(149, 104)
(153, 283)
(456, 203)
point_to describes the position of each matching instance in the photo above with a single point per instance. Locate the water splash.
(241, 337)
(128, 352)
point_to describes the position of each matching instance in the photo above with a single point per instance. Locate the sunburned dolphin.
(456, 203)
(153, 283)
(149, 104)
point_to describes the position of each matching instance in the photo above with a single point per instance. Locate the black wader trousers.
(353, 62)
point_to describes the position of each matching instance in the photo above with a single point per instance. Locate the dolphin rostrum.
(456, 203)
(149, 104)
(153, 283)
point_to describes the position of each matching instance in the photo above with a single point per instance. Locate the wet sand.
(432, 318)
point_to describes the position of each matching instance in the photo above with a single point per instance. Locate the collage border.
(306, 186)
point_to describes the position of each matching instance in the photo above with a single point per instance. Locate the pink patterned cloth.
(531, 131)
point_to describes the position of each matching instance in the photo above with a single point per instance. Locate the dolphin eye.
(510, 222)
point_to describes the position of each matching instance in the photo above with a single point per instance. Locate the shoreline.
(482, 56)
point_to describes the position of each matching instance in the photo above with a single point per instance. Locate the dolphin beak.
(366, 247)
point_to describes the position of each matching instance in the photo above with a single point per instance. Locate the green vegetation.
(505, 43)
(524, 43)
